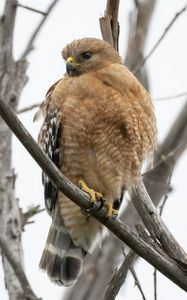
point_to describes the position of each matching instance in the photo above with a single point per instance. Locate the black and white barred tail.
(61, 259)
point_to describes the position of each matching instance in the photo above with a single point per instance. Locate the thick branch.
(163, 263)
(28, 293)
(154, 223)
(30, 44)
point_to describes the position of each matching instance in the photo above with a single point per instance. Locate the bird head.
(88, 54)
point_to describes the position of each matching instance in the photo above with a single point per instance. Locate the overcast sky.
(167, 68)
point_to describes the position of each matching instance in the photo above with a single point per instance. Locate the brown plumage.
(99, 125)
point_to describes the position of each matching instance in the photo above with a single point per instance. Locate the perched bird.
(99, 127)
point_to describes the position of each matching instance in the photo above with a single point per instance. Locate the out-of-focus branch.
(144, 59)
(119, 277)
(31, 212)
(12, 81)
(158, 259)
(28, 293)
(109, 24)
(28, 108)
(30, 44)
(32, 9)
(170, 97)
(139, 20)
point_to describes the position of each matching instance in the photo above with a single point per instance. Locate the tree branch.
(32, 211)
(163, 263)
(28, 108)
(154, 223)
(139, 20)
(137, 282)
(118, 278)
(170, 97)
(144, 60)
(109, 24)
(31, 9)
(30, 46)
(7, 31)
(28, 293)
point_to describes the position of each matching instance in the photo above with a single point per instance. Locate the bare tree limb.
(32, 9)
(30, 46)
(153, 222)
(155, 270)
(7, 31)
(144, 60)
(28, 108)
(109, 24)
(155, 283)
(170, 97)
(31, 212)
(119, 277)
(12, 81)
(28, 293)
(137, 282)
(163, 263)
(139, 20)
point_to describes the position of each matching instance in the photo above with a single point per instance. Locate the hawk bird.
(99, 127)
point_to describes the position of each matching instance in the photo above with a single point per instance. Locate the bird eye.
(86, 55)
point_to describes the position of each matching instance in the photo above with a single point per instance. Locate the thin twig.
(162, 262)
(137, 282)
(29, 46)
(155, 283)
(28, 293)
(170, 97)
(32, 9)
(169, 26)
(28, 108)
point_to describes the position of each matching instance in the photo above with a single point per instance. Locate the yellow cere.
(70, 60)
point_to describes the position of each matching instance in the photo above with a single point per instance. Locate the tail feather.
(61, 258)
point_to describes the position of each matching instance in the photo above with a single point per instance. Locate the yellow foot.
(111, 212)
(94, 196)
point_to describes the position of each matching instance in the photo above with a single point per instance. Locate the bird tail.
(61, 258)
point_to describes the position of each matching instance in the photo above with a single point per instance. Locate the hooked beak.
(71, 66)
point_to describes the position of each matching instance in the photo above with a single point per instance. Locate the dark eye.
(86, 55)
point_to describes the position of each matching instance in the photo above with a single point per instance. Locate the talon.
(111, 212)
(94, 196)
